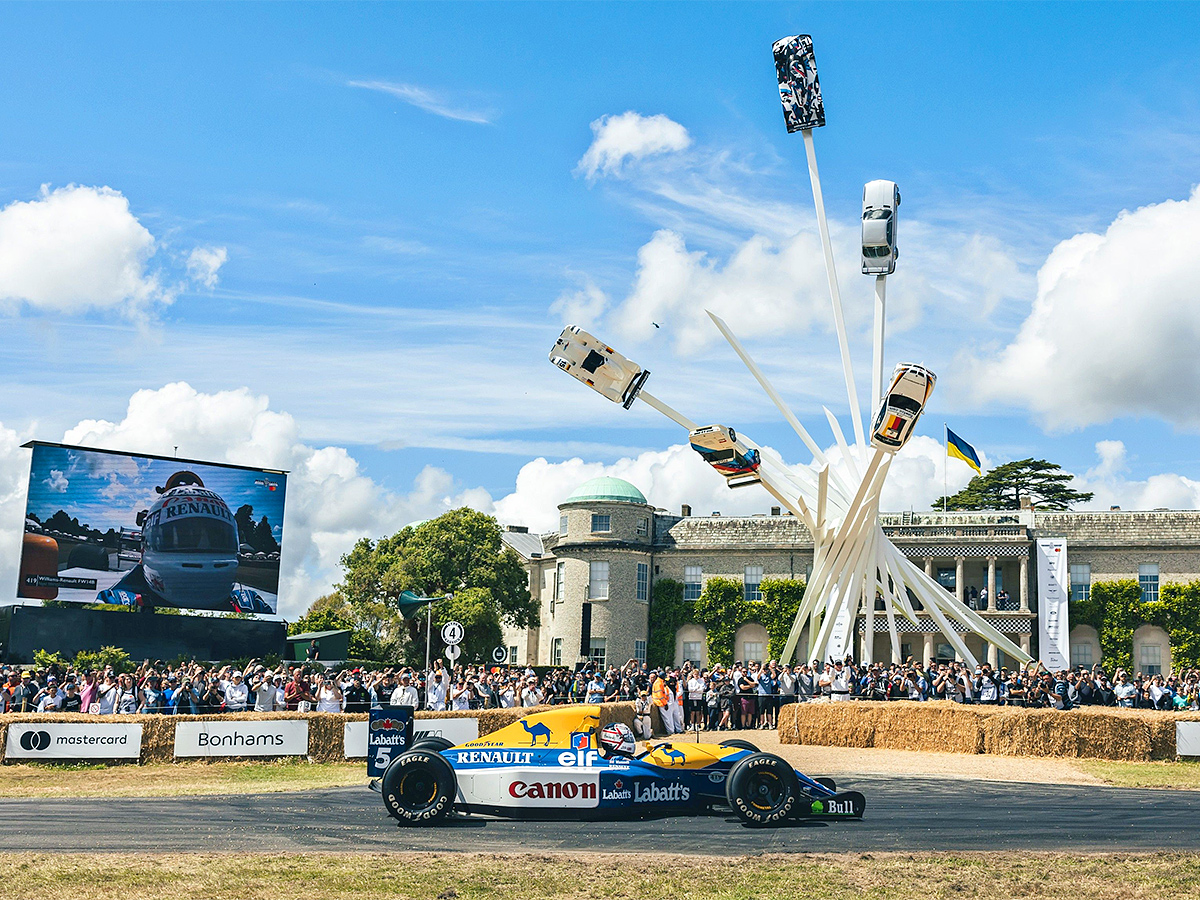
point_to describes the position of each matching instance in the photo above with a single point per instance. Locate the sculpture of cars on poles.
(880, 205)
(720, 448)
(551, 765)
(598, 365)
(901, 406)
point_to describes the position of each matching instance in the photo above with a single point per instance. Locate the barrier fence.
(946, 727)
(319, 737)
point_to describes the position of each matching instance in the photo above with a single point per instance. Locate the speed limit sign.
(500, 654)
(452, 633)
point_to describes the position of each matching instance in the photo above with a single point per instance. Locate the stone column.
(1025, 586)
(994, 656)
(929, 566)
(928, 650)
(958, 578)
(991, 584)
(1025, 642)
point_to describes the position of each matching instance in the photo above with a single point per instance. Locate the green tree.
(459, 553)
(1045, 483)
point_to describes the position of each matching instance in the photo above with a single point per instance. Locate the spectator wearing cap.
(72, 702)
(297, 692)
(237, 694)
(50, 698)
(405, 694)
(358, 699)
(265, 693)
(151, 698)
(184, 701)
(20, 695)
(435, 691)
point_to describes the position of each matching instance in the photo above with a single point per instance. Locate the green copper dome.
(610, 490)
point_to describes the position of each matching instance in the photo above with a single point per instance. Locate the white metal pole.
(880, 317)
(428, 638)
(834, 293)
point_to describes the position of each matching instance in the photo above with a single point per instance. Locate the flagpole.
(945, 466)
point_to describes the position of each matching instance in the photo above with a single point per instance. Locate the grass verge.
(596, 876)
(44, 781)
(1167, 775)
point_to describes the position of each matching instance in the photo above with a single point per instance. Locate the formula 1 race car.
(561, 764)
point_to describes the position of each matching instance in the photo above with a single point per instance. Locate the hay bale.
(934, 726)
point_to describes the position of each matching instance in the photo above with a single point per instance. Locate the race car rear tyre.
(763, 790)
(739, 744)
(433, 742)
(419, 787)
(827, 782)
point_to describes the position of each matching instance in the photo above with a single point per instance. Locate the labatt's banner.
(276, 737)
(73, 740)
(133, 530)
(456, 730)
(1053, 580)
(389, 733)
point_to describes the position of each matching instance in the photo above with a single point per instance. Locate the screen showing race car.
(133, 530)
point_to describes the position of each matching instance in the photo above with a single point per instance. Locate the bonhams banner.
(73, 740)
(1053, 580)
(264, 738)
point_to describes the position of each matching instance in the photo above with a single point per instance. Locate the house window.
(1150, 659)
(643, 526)
(559, 571)
(906, 651)
(692, 651)
(512, 655)
(639, 651)
(601, 524)
(562, 524)
(1081, 582)
(596, 652)
(945, 653)
(692, 577)
(947, 577)
(754, 576)
(1148, 581)
(1081, 654)
(752, 651)
(556, 652)
(643, 582)
(598, 581)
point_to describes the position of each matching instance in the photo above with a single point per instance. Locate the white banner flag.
(73, 740)
(1053, 581)
(278, 737)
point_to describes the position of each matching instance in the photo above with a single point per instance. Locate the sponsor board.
(1053, 583)
(458, 731)
(1187, 738)
(547, 788)
(389, 733)
(83, 740)
(273, 738)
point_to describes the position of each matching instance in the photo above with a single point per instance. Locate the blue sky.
(362, 226)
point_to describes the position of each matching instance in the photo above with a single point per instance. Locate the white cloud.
(75, 248)
(203, 264)
(1114, 327)
(629, 136)
(430, 101)
(57, 481)
(1111, 487)
(582, 307)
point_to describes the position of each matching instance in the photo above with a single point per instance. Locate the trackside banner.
(1053, 580)
(73, 740)
(458, 731)
(274, 738)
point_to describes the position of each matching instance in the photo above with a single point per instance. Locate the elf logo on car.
(553, 790)
(586, 758)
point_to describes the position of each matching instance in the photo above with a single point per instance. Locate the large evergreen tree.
(1044, 483)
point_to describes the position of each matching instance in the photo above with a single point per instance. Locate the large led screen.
(119, 528)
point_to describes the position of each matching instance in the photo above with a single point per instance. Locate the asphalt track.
(902, 814)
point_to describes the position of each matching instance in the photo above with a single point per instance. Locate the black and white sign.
(277, 738)
(453, 652)
(452, 633)
(74, 740)
(389, 733)
(1053, 581)
(500, 654)
(457, 730)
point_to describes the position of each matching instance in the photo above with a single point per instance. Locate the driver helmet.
(618, 738)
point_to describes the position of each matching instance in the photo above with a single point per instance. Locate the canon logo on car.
(553, 790)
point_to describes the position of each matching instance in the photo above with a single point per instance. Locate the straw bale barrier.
(945, 727)
(325, 730)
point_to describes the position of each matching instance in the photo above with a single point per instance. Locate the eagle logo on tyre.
(35, 740)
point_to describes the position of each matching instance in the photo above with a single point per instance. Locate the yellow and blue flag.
(960, 449)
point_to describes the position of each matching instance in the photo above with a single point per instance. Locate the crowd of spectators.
(690, 696)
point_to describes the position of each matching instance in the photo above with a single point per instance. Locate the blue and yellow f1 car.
(551, 765)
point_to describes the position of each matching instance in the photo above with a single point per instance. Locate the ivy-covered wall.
(721, 610)
(1115, 609)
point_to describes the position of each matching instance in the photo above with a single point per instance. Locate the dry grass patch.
(1172, 775)
(601, 876)
(47, 781)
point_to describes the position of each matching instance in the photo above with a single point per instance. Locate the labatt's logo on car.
(528, 789)
(661, 793)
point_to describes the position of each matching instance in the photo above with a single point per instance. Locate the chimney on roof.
(774, 510)
(517, 529)
(685, 510)
(1026, 502)
(1114, 509)
(716, 513)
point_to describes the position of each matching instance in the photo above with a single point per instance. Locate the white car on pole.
(599, 366)
(881, 203)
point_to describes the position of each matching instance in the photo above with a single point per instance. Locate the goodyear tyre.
(762, 790)
(739, 744)
(419, 787)
(433, 742)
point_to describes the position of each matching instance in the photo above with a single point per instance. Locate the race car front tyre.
(739, 744)
(419, 788)
(762, 789)
(434, 742)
